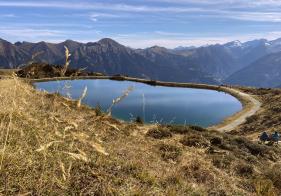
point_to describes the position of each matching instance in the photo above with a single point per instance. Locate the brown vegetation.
(268, 118)
(43, 70)
(49, 146)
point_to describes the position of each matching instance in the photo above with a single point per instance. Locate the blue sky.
(141, 23)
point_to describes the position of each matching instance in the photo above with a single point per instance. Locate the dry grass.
(267, 119)
(119, 99)
(49, 146)
(67, 62)
(7, 72)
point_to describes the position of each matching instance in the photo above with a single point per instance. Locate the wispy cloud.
(164, 33)
(7, 15)
(222, 11)
(245, 3)
(141, 23)
(28, 32)
(256, 16)
(35, 34)
(96, 16)
(142, 40)
(98, 6)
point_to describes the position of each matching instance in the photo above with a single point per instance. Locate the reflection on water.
(153, 104)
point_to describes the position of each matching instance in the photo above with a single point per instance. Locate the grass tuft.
(195, 140)
(159, 133)
(170, 152)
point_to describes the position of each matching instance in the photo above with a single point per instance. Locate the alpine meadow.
(140, 97)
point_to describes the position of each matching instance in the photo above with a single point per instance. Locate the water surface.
(152, 103)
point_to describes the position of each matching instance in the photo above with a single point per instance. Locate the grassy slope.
(267, 119)
(50, 146)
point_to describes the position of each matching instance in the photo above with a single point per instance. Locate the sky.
(141, 23)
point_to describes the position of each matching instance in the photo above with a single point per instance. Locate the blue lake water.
(154, 104)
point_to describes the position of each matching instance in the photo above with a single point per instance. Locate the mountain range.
(253, 63)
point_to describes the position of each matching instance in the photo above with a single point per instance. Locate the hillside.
(215, 59)
(222, 60)
(265, 72)
(110, 58)
(231, 59)
(11, 55)
(213, 64)
(59, 148)
(268, 118)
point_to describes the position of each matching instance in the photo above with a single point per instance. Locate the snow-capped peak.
(234, 44)
(237, 43)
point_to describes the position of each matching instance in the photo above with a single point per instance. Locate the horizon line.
(96, 41)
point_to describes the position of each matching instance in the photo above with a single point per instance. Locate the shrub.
(243, 169)
(196, 171)
(253, 148)
(257, 149)
(159, 133)
(197, 128)
(274, 174)
(98, 110)
(264, 188)
(84, 180)
(276, 109)
(240, 141)
(251, 119)
(222, 162)
(171, 181)
(139, 120)
(178, 129)
(216, 141)
(146, 178)
(194, 141)
(170, 152)
(217, 192)
(131, 169)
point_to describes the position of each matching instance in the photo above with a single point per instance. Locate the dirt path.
(256, 105)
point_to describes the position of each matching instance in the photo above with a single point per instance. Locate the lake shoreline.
(249, 104)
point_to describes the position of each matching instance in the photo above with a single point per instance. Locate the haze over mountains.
(253, 63)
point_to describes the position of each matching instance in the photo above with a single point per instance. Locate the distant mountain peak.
(17, 43)
(70, 41)
(179, 48)
(235, 43)
(157, 49)
(108, 41)
(276, 42)
(2, 40)
(43, 44)
(193, 64)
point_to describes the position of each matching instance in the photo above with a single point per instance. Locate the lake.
(154, 104)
